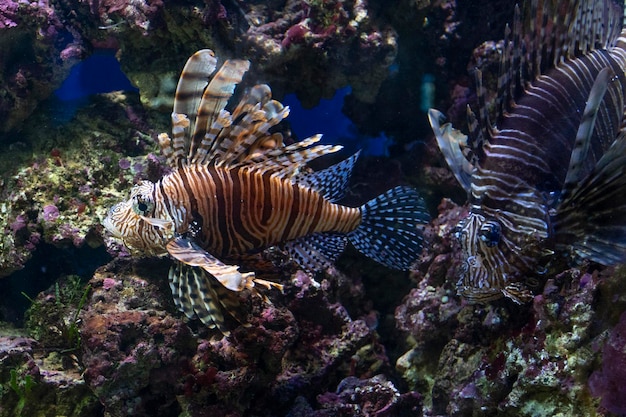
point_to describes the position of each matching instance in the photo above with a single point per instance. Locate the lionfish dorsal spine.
(450, 141)
(214, 100)
(254, 123)
(193, 80)
(287, 162)
(487, 129)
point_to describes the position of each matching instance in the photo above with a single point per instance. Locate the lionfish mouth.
(109, 223)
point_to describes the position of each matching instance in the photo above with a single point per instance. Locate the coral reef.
(608, 381)
(58, 184)
(320, 349)
(36, 53)
(131, 349)
(36, 382)
(140, 359)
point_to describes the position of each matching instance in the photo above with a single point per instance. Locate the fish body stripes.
(242, 210)
(524, 173)
(236, 189)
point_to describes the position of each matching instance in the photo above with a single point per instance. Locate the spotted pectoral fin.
(332, 181)
(316, 252)
(197, 293)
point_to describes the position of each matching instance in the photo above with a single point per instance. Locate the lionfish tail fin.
(389, 230)
(592, 220)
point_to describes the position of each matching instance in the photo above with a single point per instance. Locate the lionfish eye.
(459, 230)
(490, 233)
(456, 232)
(143, 205)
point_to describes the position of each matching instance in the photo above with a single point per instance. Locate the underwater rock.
(132, 350)
(141, 357)
(37, 51)
(58, 183)
(608, 381)
(36, 382)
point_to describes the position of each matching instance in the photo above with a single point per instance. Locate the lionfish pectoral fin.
(592, 219)
(389, 231)
(449, 141)
(196, 292)
(316, 252)
(332, 181)
(575, 171)
(189, 253)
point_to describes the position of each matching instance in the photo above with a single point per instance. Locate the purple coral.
(8, 14)
(608, 382)
(50, 213)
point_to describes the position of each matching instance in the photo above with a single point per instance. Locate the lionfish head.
(135, 223)
(487, 273)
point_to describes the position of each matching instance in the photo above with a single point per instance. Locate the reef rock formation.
(37, 51)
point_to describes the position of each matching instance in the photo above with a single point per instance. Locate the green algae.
(58, 183)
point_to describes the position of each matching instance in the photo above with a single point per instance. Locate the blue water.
(101, 73)
(328, 119)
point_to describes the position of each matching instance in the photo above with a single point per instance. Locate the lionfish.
(549, 177)
(236, 189)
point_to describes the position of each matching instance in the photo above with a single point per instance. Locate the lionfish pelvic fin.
(189, 253)
(197, 292)
(316, 252)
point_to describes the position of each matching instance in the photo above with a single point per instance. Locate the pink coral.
(608, 382)
(50, 213)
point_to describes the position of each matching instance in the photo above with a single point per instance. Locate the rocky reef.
(358, 341)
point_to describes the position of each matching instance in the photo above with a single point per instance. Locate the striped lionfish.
(550, 176)
(236, 189)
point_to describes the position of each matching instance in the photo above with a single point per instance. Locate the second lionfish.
(236, 189)
(549, 177)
